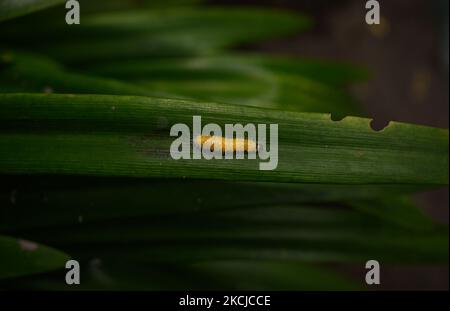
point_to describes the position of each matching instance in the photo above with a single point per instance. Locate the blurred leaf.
(50, 201)
(274, 275)
(327, 72)
(231, 80)
(164, 32)
(132, 139)
(13, 8)
(111, 274)
(21, 257)
(398, 210)
(145, 216)
(226, 81)
(26, 72)
(321, 233)
(116, 5)
(240, 229)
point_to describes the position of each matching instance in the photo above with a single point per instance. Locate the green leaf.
(397, 210)
(43, 201)
(320, 233)
(91, 214)
(129, 136)
(165, 32)
(14, 8)
(117, 5)
(274, 275)
(27, 72)
(327, 72)
(113, 274)
(234, 80)
(229, 81)
(22, 257)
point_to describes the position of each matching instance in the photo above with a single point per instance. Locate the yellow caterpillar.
(225, 144)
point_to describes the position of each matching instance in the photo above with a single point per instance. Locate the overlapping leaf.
(237, 80)
(14, 8)
(22, 257)
(164, 32)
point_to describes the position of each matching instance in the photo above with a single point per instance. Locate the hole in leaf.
(337, 117)
(379, 125)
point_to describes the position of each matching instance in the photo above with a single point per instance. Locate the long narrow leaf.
(13, 8)
(129, 136)
(110, 274)
(231, 80)
(22, 257)
(27, 72)
(153, 32)
(41, 202)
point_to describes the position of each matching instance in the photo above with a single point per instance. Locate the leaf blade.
(13, 8)
(21, 257)
(131, 142)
